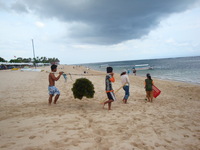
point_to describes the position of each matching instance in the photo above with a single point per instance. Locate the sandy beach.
(171, 122)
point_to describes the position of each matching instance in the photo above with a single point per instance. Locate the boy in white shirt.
(125, 82)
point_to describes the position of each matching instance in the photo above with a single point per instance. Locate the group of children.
(125, 84)
(108, 86)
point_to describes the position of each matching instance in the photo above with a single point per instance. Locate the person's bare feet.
(103, 105)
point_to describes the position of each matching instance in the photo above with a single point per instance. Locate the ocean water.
(184, 69)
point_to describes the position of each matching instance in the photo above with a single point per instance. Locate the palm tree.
(2, 59)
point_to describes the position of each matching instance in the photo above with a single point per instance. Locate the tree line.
(30, 60)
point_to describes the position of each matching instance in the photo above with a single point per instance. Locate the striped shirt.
(108, 83)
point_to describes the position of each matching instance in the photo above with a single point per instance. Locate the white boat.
(142, 67)
(104, 66)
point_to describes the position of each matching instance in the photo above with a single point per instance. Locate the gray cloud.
(2, 6)
(19, 7)
(105, 21)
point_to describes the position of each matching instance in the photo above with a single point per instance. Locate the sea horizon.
(181, 69)
(84, 64)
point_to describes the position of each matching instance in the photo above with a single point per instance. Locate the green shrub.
(83, 87)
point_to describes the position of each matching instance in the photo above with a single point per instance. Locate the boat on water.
(136, 67)
(142, 67)
(104, 66)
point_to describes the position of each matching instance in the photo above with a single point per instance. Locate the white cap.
(124, 70)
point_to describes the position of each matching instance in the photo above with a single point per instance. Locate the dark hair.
(149, 76)
(109, 69)
(123, 73)
(53, 67)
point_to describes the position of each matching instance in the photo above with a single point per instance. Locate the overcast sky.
(85, 31)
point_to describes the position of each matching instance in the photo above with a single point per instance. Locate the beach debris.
(65, 76)
(83, 87)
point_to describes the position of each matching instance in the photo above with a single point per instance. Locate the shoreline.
(183, 69)
(157, 78)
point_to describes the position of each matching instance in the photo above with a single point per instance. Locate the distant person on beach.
(134, 71)
(52, 89)
(109, 90)
(149, 88)
(128, 71)
(125, 82)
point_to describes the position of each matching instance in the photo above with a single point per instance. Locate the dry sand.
(171, 122)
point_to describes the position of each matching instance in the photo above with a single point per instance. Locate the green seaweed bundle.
(83, 87)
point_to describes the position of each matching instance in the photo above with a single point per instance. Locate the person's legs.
(50, 99)
(148, 96)
(57, 92)
(151, 96)
(125, 101)
(51, 94)
(125, 94)
(108, 101)
(126, 88)
(56, 98)
(111, 98)
(109, 105)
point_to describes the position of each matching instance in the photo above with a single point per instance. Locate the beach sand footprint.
(100, 132)
(32, 137)
(7, 145)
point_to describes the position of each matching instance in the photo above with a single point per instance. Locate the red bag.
(156, 91)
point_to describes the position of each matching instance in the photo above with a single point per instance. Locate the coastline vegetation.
(30, 60)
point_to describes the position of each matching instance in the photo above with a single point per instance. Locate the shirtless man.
(52, 89)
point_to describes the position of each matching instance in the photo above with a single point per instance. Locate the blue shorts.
(53, 90)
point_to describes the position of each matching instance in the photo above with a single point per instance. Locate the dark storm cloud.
(106, 21)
